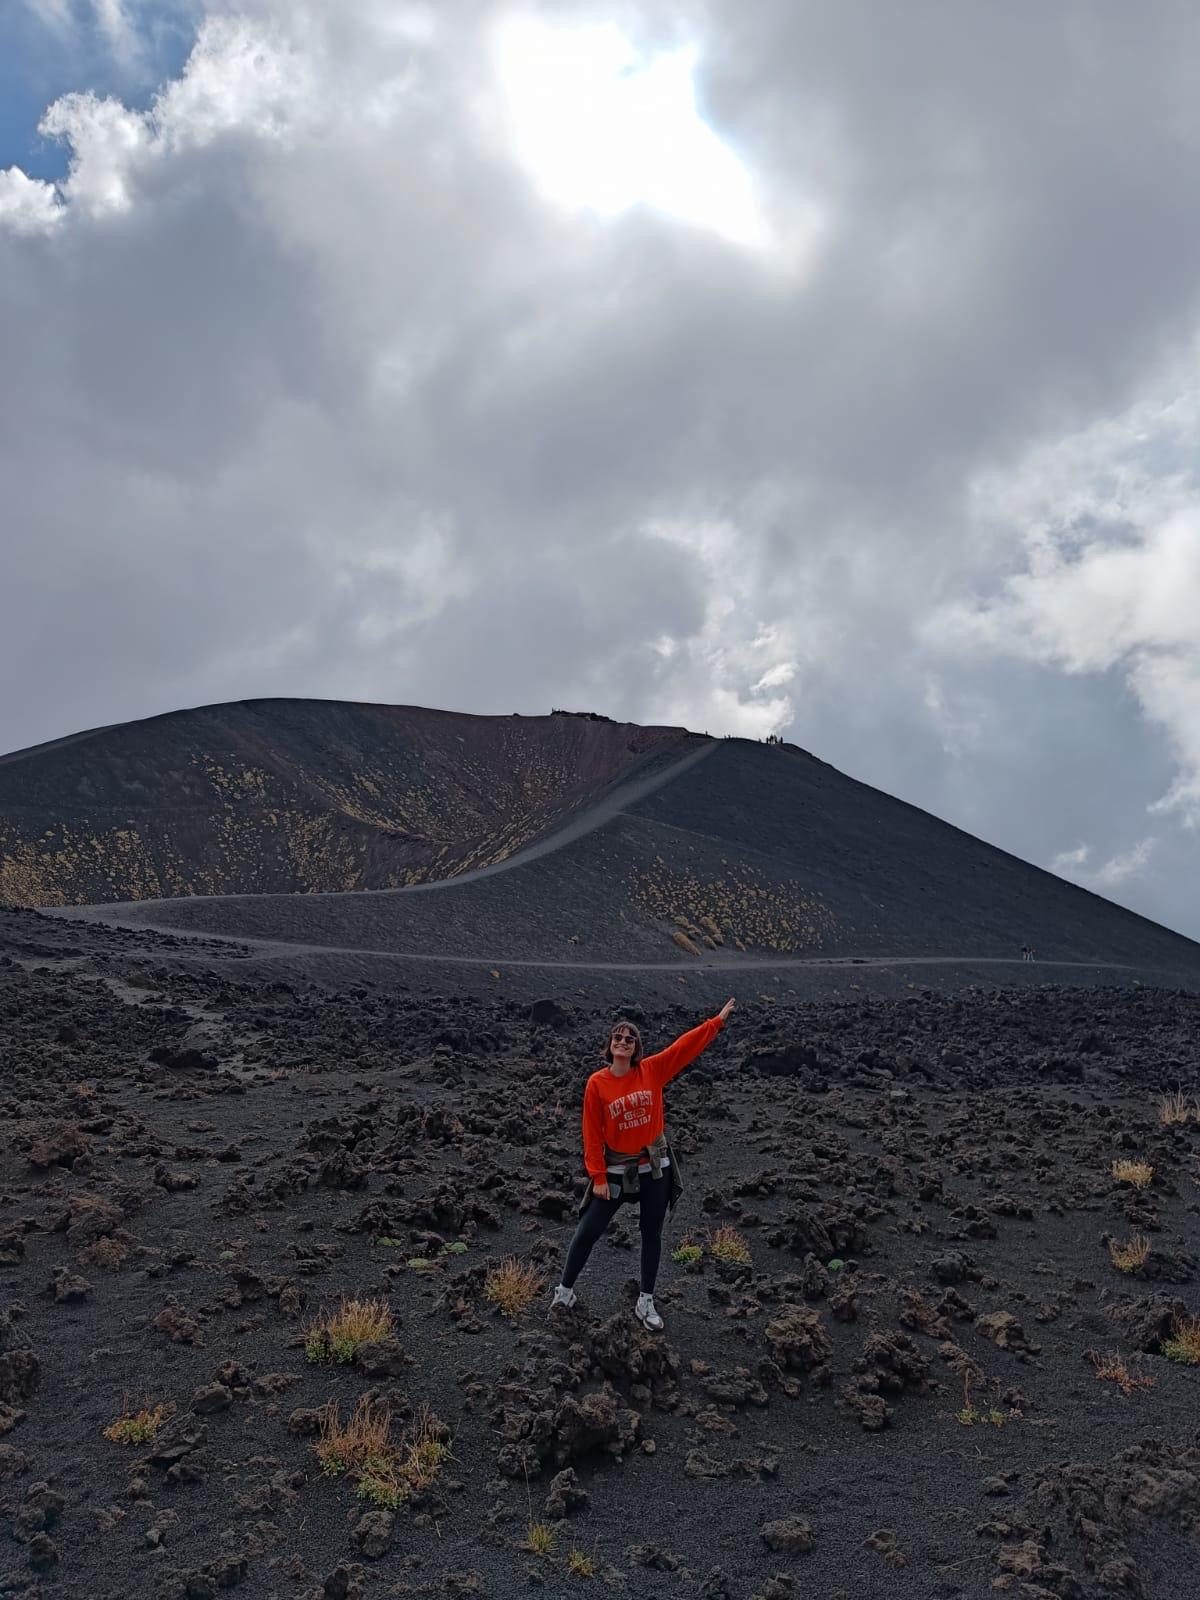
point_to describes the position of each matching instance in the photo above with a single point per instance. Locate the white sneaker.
(646, 1314)
(563, 1297)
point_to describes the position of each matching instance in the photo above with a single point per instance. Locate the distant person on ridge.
(626, 1153)
(1026, 952)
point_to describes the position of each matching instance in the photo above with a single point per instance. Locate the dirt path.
(275, 949)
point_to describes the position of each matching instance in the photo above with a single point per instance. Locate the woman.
(625, 1149)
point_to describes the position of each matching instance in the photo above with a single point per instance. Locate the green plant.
(380, 1488)
(727, 1244)
(687, 1254)
(426, 1450)
(969, 1416)
(835, 1265)
(580, 1564)
(138, 1427)
(388, 1242)
(540, 1538)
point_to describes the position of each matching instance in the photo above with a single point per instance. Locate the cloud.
(27, 205)
(55, 14)
(1107, 527)
(310, 388)
(117, 29)
(1069, 862)
(237, 79)
(1110, 874)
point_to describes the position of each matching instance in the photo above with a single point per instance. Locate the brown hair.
(623, 1022)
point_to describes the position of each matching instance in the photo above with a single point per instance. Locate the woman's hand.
(600, 1190)
(726, 1009)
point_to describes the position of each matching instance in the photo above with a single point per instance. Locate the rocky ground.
(896, 1394)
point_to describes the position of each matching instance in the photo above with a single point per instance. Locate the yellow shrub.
(1184, 1343)
(138, 1427)
(513, 1286)
(1129, 1257)
(727, 1244)
(355, 1322)
(1138, 1173)
(1173, 1108)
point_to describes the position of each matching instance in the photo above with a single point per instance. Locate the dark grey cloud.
(309, 390)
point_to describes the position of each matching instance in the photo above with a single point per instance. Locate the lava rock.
(791, 1535)
(211, 1397)
(373, 1533)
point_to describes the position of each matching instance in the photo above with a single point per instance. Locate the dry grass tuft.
(513, 1285)
(1184, 1343)
(138, 1427)
(727, 1244)
(354, 1323)
(1111, 1367)
(1174, 1108)
(540, 1538)
(1138, 1173)
(1129, 1257)
(580, 1564)
(365, 1440)
(426, 1451)
(393, 1481)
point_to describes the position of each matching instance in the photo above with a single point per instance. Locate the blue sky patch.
(40, 60)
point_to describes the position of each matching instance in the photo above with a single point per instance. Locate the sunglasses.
(624, 1038)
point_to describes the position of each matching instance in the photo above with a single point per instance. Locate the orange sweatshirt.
(626, 1113)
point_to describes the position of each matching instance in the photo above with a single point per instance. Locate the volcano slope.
(920, 1340)
(297, 796)
(725, 853)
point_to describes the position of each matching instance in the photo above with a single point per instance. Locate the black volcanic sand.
(923, 1181)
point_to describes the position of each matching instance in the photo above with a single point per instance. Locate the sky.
(830, 371)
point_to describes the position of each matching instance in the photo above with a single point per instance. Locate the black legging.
(652, 1197)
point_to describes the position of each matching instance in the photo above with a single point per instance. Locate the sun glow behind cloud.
(604, 128)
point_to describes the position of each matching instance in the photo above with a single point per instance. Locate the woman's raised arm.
(669, 1063)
